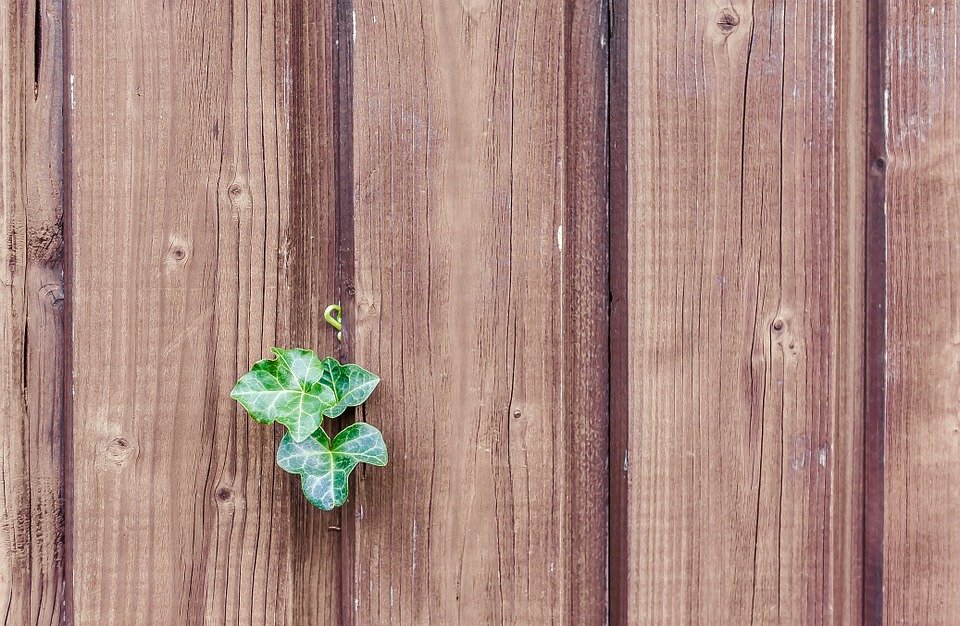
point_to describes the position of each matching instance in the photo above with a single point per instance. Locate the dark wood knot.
(728, 21)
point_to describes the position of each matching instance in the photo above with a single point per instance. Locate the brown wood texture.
(744, 220)
(200, 238)
(586, 317)
(619, 348)
(875, 317)
(310, 276)
(466, 218)
(661, 294)
(921, 83)
(31, 314)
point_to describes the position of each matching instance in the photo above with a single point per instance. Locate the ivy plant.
(297, 390)
(325, 466)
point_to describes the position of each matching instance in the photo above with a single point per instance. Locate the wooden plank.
(619, 387)
(845, 559)
(585, 296)
(744, 361)
(187, 261)
(921, 81)
(31, 313)
(464, 214)
(875, 318)
(308, 282)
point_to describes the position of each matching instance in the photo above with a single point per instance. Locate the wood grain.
(585, 274)
(743, 376)
(463, 218)
(31, 314)
(875, 316)
(921, 80)
(308, 282)
(187, 261)
(744, 220)
(619, 326)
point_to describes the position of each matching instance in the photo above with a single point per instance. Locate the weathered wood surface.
(586, 316)
(875, 317)
(750, 359)
(921, 83)
(200, 230)
(31, 314)
(310, 270)
(465, 210)
(743, 295)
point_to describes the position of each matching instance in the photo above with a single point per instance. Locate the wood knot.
(783, 332)
(178, 250)
(118, 450)
(235, 190)
(224, 494)
(728, 20)
(54, 293)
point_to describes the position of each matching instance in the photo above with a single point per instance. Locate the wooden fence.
(664, 297)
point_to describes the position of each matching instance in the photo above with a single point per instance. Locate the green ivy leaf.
(351, 384)
(289, 390)
(324, 466)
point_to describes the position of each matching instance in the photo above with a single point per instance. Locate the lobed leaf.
(289, 390)
(324, 466)
(351, 384)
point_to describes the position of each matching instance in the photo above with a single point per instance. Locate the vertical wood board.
(464, 217)
(188, 265)
(309, 252)
(32, 581)
(743, 296)
(921, 536)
